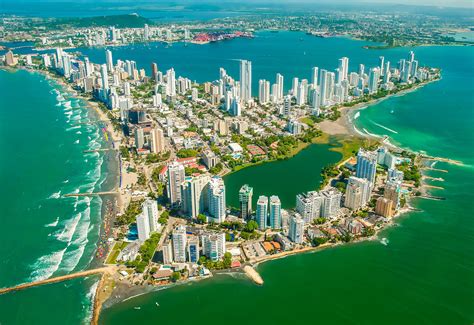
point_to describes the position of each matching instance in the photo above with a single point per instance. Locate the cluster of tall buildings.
(197, 194)
(149, 139)
(184, 247)
(268, 212)
(322, 204)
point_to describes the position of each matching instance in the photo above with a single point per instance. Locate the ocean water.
(425, 275)
(43, 133)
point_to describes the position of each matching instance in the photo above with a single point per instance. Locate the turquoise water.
(44, 233)
(424, 276)
(426, 273)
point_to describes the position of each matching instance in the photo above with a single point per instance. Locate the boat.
(384, 241)
(157, 304)
(137, 308)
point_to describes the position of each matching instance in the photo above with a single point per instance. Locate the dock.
(91, 194)
(439, 179)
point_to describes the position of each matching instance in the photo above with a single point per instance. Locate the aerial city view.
(223, 162)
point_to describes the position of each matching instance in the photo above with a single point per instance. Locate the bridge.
(108, 269)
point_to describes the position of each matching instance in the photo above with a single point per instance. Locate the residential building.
(193, 249)
(261, 214)
(275, 212)
(331, 202)
(245, 200)
(143, 227)
(213, 246)
(217, 203)
(384, 207)
(296, 232)
(194, 194)
(179, 244)
(366, 165)
(150, 211)
(308, 205)
(175, 177)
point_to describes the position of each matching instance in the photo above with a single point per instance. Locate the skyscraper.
(194, 193)
(308, 205)
(154, 71)
(217, 203)
(245, 199)
(175, 175)
(382, 65)
(366, 165)
(245, 80)
(109, 60)
(263, 91)
(213, 246)
(296, 232)
(324, 87)
(343, 67)
(314, 77)
(357, 192)
(157, 140)
(331, 202)
(193, 249)
(179, 244)
(105, 80)
(279, 82)
(374, 77)
(143, 227)
(150, 211)
(275, 212)
(170, 83)
(261, 214)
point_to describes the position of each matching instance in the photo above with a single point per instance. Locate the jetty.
(446, 160)
(435, 169)
(81, 274)
(439, 179)
(433, 186)
(99, 150)
(432, 197)
(253, 275)
(91, 194)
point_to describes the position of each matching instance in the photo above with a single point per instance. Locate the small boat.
(137, 308)
(157, 304)
(384, 241)
(391, 112)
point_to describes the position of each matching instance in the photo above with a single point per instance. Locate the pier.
(91, 194)
(101, 270)
(432, 197)
(446, 160)
(439, 179)
(433, 186)
(252, 274)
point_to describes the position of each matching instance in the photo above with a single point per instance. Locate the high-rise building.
(167, 250)
(308, 205)
(213, 246)
(286, 105)
(109, 61)
(331, 202)
(245, 80)
(157, 140)
(357, 192)
(217, 203)
(150, 211)
(154, 71)
(179, 244)
(314, 77)
(261, 214)
(139, 138)
(194, 194)
(175, 176)
(146, 32)
(193, 249)
(275, 212)
(382, 65)
(294, 86)
(143, 227)
(245, 199)
(296, 231)
(392, 191)
(279, 82)
(105, 80)
(324, 87)
(374, 77)
(170, 83)
(343, 68)
(366, 165)
(384, 207)
(263, 91)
